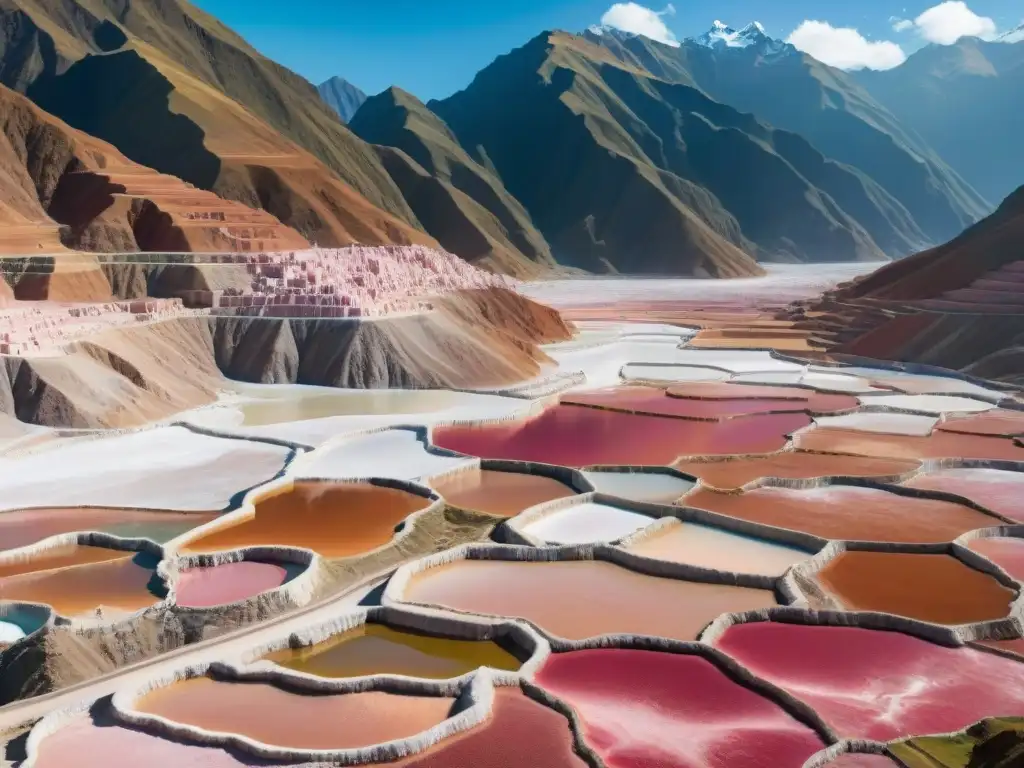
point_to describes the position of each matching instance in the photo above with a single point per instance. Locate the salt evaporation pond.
(376, 649)
(394, 453)
(671, 373)
(581, 599)
(76, 580)
(205, 587)
(21, 527)
(874, 684)
(586, 523)
(643, 708)
(921, 384)
(938, 445)
(733, 473)
(284, 719)
(935, 404)
(997, 422)
(332, 519)
(707, 547)
(993, 489)
(886, 423)
(503, 494)
(848, 513)
(1006, 552)
(651, 487)
(579, 437)
(288, 405)
(935, 588)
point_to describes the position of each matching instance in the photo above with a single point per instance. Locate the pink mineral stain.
(579, 437)
(879, 684)
(643, 709)
(228, 583)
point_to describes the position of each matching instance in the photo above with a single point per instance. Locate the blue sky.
(434, 47)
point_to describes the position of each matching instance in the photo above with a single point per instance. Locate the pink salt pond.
(577, 437)
(1006, 552)
(205, 587)
(879, 685)
(642, 708)
(281, 718)
(994, 489)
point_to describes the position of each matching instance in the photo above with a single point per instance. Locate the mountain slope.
(624, 171)
(967, 101)
(460, 202)
(341, 96)
(795, 92)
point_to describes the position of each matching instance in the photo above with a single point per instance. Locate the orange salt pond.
(732, 473)
(76, 580)
(846, 512)
(333, 519)
(1004, 551)
(280, 718)
(375, 649)
(580, 599)
(503, 494)
(934, 588)
(938, 445)
(994, 489)
(707, 547)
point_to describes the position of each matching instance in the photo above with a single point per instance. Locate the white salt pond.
(671, 373)
(169, 468)
(706, 547)
(737, 361)
(395, 453)
(922, 383)
(885, 423)
(652, 487)
(585, 523)
(829, 382)
(936, 404)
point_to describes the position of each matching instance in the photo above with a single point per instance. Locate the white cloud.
(901, 25)
(635, 18)
(845, 48)
(949, 21)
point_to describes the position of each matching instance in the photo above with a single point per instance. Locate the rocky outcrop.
(341, 96)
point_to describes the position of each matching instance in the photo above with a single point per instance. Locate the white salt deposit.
(937, 404)
(671, 373)
(586, 523)
(653, 487)
(10, 633)
(924, 384)
(885, 423)
(397, 454)
(737, 361)
(163, 468)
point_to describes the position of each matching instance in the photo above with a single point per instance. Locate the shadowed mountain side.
(473, 216)
(960, 306)
(795, 92)
(953, 95)
(159, 114)
(541, 118)
(41, 38)
(341, 96)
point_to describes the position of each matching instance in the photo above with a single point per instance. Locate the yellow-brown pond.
(284, 719)
(375, 649)
(584, 598)
(76, 580)
(504, 494)
(333, 519)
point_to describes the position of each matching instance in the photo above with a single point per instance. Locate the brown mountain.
(459, 201)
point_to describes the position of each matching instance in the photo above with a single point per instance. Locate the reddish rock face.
(504, 494)
(1007, 553)
(228, 583)
(578, 437)
(333, 519)
(641, 708)
(581, 599)
(846, 513)
(876, 684)
(280, 718)
(992, 489)
(734, 473)
(935, 588)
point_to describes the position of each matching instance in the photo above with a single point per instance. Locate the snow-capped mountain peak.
(722, 35)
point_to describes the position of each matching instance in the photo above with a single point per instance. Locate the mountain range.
(604, 152)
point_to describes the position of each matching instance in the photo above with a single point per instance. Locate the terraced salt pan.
(166, 468)
(825, 382)
(504, 494)
(586, 523)
(230, 582)
(707, 547)
(375, 649)
(886, 423)
(21, 527)
(397, 454)
(916, 383)
(1006, 552)
(652, 487)
(878, 684)
(995, 422)
(935, 404)
(580, 599)
(730, 474)
(642, 708)
(938, 445)
(281, 718)
(994, 489)
(671, 373)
